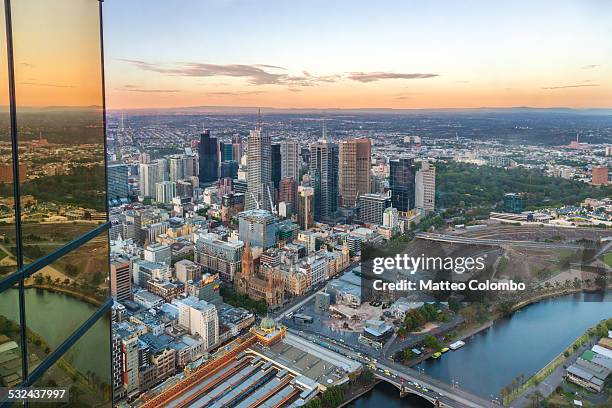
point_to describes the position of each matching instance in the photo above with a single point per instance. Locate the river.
(49, 314)
(520, 344)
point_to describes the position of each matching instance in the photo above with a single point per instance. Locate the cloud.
(49, 85)
(569, 86)
(134, 88)
(375, 76)
(403, 97)
(237, 93)
(258, 74)
(591, 66)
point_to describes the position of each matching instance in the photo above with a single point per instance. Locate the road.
(411, 380)
(292, 307)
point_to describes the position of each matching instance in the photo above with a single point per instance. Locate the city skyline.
(389, 56)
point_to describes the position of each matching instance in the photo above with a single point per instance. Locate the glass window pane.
(58, 88)
(8, 263)
(10, 341)
(61, 296)
(85, 369)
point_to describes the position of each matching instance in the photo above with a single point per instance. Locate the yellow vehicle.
(437, 354)
(445, 349)
(387, 372)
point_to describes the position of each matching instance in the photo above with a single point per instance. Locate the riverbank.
(66, 291)
(515, 347)
(473, 329)
(547, 379)
(358, 393)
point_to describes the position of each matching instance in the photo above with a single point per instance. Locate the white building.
(165, 191)
(290, 159)
(425, 187)
(200, 317)
(391, 218)
(158, 252)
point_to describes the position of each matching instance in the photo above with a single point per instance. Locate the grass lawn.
(607, 258)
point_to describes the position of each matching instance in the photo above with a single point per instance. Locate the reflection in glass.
(60, 132)
(10, 341)
(62, 296)
(84, 369)
(8, 262)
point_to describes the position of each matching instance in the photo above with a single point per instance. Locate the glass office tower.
(54, 266)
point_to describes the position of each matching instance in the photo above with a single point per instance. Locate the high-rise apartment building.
(425, 187)
(165, 192)
(402, 173)
(148, 179)
(354, 170)
(324, 179)
(180, 167)
(65, 321)
(208, 151)
(259, 169)
(117, 182)
(121, 280)
(305, 207)
(290, 155)
(372, 208)
(163, 173)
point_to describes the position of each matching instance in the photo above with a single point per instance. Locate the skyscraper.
(324, 178)
(121, 281)
(275, 171)
(290, 155)
(236, 148)
(401, 183)
(65, 322)
(180, 167)
(117, 181)
(148, 178)
(354, 171)
(287, 191)
(165, 191)
(208, 150)
(228, 169)
(305, 207)
(259, 177)
(425, 187)
(225, 151)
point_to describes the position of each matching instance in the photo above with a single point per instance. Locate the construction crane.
(254, 199)
(272, 207)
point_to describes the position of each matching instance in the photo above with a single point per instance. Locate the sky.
(358, 54)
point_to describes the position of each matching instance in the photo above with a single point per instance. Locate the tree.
(313, 403)
(71, 269)
(333, 396)
(366, 377)
(432, 343)
(408, 354)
